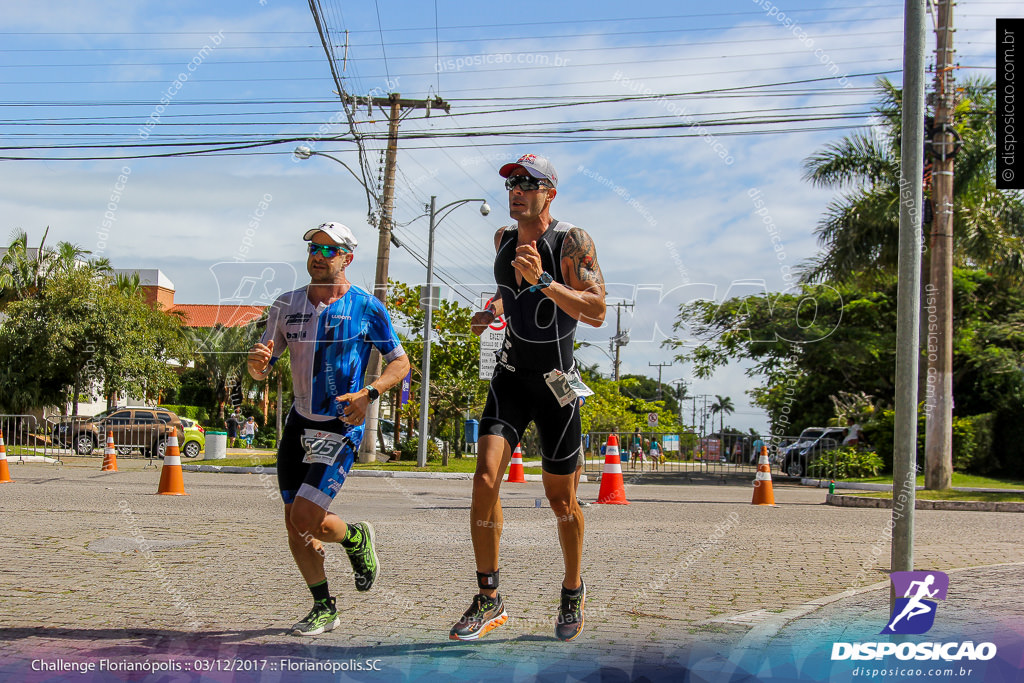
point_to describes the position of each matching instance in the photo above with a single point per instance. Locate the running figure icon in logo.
(914, 613)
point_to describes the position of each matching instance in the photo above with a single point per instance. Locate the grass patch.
(255, 460)
(951, 495)
(959, 480)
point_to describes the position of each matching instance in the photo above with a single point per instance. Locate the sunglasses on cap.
(326, 250)
(525, 183)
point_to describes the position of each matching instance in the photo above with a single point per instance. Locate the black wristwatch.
(543, 281)
(371, 393)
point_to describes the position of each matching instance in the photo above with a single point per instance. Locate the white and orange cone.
(516, 474)
(110, 454)
(612, 489)
(5, 473)
(171, 481)
(763, 494)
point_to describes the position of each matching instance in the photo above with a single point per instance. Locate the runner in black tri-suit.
(548, 279)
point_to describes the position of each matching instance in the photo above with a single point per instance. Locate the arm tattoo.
(579, 249)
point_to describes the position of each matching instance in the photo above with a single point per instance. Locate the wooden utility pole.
(938, 291)
(617, 341)
(394, 104)
(659, 366)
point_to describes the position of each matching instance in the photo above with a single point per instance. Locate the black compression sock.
(320, 591)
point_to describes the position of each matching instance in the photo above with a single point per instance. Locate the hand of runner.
(480, 320)
(527, 262)
(260, 355)
(353, 407)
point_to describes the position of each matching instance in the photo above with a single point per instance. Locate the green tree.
(75, 331)
(455, 386)
(860, 230)
(812, 347)
(220, 353)
(647, 389)
(137, 344)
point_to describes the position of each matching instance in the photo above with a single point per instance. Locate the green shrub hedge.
(846, 463)
(197, 413)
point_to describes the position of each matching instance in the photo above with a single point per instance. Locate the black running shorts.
(313, 458)
(517, 398)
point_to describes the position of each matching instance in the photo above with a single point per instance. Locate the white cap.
(535, 165)
(340, 234)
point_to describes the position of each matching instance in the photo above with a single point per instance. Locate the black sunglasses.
(326, 250)
(525, 183)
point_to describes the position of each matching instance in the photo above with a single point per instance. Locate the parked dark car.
(813, 442)
(146, 429)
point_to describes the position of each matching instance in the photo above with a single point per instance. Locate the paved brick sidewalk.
(98, 568)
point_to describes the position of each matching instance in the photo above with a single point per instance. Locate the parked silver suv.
(813, 442)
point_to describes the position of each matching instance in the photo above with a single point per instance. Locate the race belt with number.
(322, 447)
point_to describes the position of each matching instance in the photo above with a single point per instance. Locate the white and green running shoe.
(323, 617)
(364, 558)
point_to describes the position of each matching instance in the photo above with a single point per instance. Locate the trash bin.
(216, 446)
(472, 431)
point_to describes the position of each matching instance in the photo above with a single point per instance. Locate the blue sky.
(732, 97)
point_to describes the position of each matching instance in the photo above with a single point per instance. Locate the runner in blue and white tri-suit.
(329, 326)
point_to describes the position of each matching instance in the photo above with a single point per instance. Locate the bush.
(972, 444)
(409, 449)
(846, 463)
(973, 438)
(197, 413)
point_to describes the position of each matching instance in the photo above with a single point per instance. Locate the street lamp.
(601, 349)
(421, 453)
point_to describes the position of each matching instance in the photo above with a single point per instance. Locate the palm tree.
(221, 354)
(860, 230)
(24, 271)
(722, 406)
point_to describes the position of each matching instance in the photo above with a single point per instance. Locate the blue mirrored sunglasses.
(327, 250)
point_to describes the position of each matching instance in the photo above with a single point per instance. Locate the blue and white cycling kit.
(330, 348)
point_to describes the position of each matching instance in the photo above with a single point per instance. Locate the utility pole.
(908, 295)
(659, 366)
(938, 448)
(394, 104)
(619, 340)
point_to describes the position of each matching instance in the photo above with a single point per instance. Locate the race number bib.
(322, 447)
(566, 387)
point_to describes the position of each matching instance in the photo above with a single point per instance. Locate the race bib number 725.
(322, 447)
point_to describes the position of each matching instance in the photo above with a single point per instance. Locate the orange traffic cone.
(5, 474)
(612, 491)
(515, 469)
(763, 494)
(171, 481)
(110, 454)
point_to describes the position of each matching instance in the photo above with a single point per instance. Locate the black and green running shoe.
(482, 617)
(570, 615)
(364, 558)
(323, 617)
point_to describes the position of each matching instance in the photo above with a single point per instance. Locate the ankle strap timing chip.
(487, 580)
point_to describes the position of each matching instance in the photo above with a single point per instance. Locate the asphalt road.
(98, 569)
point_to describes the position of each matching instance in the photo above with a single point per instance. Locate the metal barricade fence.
(23, 436)
(680, 452)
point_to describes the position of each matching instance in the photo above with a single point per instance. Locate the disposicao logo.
(914, 614)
